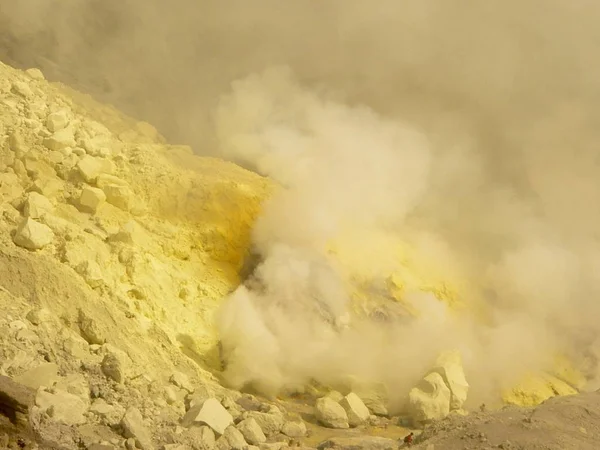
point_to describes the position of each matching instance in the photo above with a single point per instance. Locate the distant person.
(408, 440)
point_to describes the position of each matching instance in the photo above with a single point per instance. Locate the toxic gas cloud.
(465, 130)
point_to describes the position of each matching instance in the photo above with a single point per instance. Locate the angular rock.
(62, 406)
(101, 408)
(134, 428)
(170, 394)
(211, 413)
(235, 438)
(430, 399)
(91, 332)
(271, 424)
(61, 139)
(36, 205)
(116, 365)
(249, 403)
(199, 438)
(181, 380)
(16, 143)
(449, 366)
(356, 410)
(15, 396)
(90, 199)
(294, 429)
(119, 196)
(375, 397)
(330, 413)
(90, 167)
(56, 121)
(45, 374)
(75, 384)
(39, 316)
(33, 235)
(251, 431)
(49, 187)
(200, 395)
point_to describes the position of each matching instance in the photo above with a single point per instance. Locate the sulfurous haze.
(467, 129)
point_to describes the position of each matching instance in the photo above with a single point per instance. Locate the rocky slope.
(115, 250)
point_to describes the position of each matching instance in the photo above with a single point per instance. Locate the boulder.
(33, 235)
(330, 413)
(449, 366)
(430, 399)
(356, 410)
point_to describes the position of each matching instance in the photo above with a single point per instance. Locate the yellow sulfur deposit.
(535, 388)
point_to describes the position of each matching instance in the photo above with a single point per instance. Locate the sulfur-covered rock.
(63, 138)
(33, 235)
(449, 366)
(235, 439)
(330, 413)
(45, 374)
(36, 205)
(181, 380)
(22, 88)
(134, 427)
(210, 413)
(116, 365)
(56, 121)
(35, 74)
(91, 272)
(252, 431)
(62, 406)
(90, 199)
(49, 187)
(294, 429)
(119, 196)
(335, 396)
(430, 399)
(270, 423)
(356, 410)
(90, 167)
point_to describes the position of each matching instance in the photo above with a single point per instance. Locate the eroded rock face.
(330, 413)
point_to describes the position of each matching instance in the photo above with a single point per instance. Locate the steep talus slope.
(159, 239)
